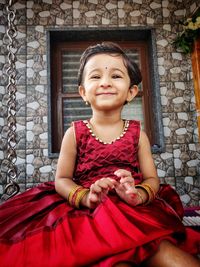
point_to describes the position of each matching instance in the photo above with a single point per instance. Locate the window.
(65, 103)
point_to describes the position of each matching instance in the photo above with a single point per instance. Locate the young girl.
(108, 208)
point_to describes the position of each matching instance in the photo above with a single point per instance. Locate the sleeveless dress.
(39, 229)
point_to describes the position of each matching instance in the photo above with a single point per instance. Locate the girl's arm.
(146, 161)
(64, 174)
(66, 164)
(126, 189)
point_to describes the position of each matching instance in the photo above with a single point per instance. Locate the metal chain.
(12, 188)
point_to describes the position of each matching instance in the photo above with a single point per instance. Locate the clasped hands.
(124, 187)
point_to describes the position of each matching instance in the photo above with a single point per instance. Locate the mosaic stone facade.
(179, 165)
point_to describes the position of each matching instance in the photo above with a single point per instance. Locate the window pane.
(70, 65)
(133, 111)
(135, 56)
(74, 109)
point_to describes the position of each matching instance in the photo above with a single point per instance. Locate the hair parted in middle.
(112, 49)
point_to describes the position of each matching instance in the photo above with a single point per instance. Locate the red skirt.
(38, 229)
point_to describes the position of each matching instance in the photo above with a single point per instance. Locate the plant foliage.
(191, 30)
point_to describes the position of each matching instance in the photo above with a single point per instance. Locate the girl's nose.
(105, 82)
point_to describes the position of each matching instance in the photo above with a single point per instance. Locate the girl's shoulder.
(80, 129)
(135, 124)
(134, 131)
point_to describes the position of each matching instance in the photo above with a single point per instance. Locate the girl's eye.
(95, 77)
(116, 76)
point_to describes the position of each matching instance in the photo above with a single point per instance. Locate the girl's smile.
(105, 93)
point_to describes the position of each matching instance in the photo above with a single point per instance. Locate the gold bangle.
(151, 193)
(150, 199)
(80, 196)
(143, 188)
(73, 201)
(149, 190)
(72, 194)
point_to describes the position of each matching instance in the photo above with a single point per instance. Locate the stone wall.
(180, 164)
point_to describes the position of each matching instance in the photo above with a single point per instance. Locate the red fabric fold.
(38, 228)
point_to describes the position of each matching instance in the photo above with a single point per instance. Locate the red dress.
(39, 229)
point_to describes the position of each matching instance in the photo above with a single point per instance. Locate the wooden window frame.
(57, 42)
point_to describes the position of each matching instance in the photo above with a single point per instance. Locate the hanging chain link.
(12, 188)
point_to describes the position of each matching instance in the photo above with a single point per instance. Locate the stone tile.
(36, 40)
(186, 160)
(3, 68)
(176, 97)
(173, 67)
(20, 43)
(38, 166)
(19, 67)
(164, 162)
(173, 11)
(3, 17)
(21, 101)
(20, 133)
(188, 193)
(47, 14)
(36, 102)
(36, 69)
(37, 130)
(131, 14)
(3, 103)
(102, 13)
(20, 7)
(165, 35)
(177, 130)
(3, 43)
(4, 166)
(21, 166)
(20, 12)
(139, 12)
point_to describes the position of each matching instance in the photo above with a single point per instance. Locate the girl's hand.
(125, 188)
(98, 191)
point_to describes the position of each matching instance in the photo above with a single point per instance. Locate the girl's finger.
(95, 188)
(105, 183)
(93, 198)
(130, 189)
(129, 180)
(122, 172)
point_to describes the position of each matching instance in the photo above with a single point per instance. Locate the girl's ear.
(132, 93)
(81, 90)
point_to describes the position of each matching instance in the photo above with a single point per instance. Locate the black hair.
(114, 49)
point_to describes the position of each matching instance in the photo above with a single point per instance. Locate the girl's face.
(106, 83)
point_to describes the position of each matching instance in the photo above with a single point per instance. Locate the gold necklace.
(126, 125)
